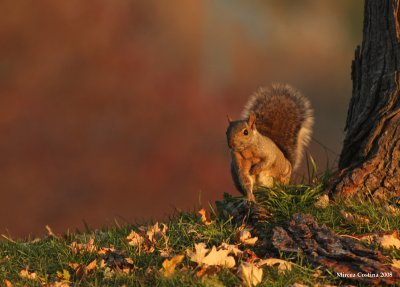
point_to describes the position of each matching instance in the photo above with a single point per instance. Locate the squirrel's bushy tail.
(285, 116)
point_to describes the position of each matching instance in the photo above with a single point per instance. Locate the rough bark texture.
(369, 161)
(344, 256)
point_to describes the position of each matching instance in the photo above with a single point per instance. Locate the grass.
(50, 258)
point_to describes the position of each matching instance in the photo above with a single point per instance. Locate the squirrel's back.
(285, 116)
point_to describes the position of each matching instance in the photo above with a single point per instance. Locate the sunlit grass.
(50, 254)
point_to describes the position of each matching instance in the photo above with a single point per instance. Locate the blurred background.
(117, 109)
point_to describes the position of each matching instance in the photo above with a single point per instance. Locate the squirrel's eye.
(246, 132)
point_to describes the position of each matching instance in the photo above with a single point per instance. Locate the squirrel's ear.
(252, 120)
(229, 119)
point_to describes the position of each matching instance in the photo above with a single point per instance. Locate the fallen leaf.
(63, 276)
(220, 258)
(199, 253)
(250, 273)
(282, 265)
(322, 202)
(354, 219)
(169, 265)
(8, 283)
(80, 248)
(298, 285)
(389, 241)
(58, 284)
(396, 263)
(214, 257)
(208, 270)
(104, 250)
(134, 239)
(129, 260)
(245, 237)
(91, 265)
(27, 274)
(233, 249)
(205, 218)
(154, 232)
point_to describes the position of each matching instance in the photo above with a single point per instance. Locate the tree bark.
(369, 161)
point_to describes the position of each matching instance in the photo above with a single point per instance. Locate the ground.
(225, 248)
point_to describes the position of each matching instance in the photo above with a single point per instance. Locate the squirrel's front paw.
(256, 169)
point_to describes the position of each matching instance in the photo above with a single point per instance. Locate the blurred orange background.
(117, 109)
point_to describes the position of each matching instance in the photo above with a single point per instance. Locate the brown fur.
(268, 143)
(283, 115)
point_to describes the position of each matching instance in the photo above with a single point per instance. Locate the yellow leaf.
(250, 273)
(205, 218)
(282, 265)
(396, 263)
(213, 258)
(199, 253)
(153, 232)
(91, 265)
(129, 260)
(8, 283)
(134, 239)
(27, 274)
(245, 237)
(80, 248)
(169, 265)
(63, 276)
(219, 258)
(105, 250)
(389, 241)
(233, 249)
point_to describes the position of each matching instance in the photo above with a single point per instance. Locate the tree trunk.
(369, 161)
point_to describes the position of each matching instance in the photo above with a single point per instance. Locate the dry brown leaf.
(80, 248)
(206, 270)
(198, 254)
(219, 258)
(82, 270)
(134, 239)
(245, 237)
(205, 218)
(396, 263)
(91, 265)
(322, 202)
(169, 265)
(58, 284)
(282, 265)
(233, 249)
(63, 276)
(354, 219)
(104, 250)
(154, 232)
(27, 274)
(250, 273)
(8, 283)
(129, 260)
(202, 255)
(389, 241)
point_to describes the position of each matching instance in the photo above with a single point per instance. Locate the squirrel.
(268, 143)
